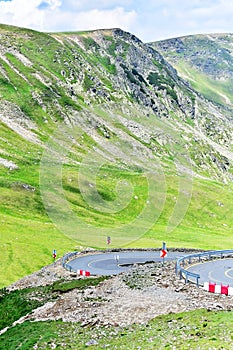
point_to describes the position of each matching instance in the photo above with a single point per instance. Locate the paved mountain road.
(112, 263)
(116, 262)
(218, 271)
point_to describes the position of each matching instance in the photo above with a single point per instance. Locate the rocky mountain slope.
(150, 153)
(205, 61)
(46, 78)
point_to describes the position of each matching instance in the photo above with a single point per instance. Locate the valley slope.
(205, 61)
(100, 136)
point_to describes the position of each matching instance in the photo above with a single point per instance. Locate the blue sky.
(148, 19)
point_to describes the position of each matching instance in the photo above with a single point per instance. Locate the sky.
(149, 20)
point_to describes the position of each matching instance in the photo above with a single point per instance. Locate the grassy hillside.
(196, 329)
(205, 61)
(100, 137)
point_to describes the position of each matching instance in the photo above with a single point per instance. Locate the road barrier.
(69, 256)
(209, 255)
(218, 288)
(83, 273)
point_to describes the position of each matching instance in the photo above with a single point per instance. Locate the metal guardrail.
(180, 270)
(68, 257)
(189, 276)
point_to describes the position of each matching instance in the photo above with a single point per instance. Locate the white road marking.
(227, 273)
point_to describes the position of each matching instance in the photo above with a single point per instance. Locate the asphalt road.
(114, 263)
(218, 271)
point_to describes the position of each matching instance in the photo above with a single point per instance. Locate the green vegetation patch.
(18, 303)
(219, 91)
(87, 82)
(64, 286)
(163, 83)
(89, 42)
(14, 305)
(199, 329)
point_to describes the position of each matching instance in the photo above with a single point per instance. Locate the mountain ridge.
(210, 55)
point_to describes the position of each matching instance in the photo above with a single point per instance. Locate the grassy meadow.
(192, 330)
(109, 200)
(219, 91)
(81, 202)
(28, 235)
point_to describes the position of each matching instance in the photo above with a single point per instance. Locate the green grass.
(28, 235)
(18, 303)
(87, 82)
(27, 246)
(214, 90)
(64, 287)
(199, 329)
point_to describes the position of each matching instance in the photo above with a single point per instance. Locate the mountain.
(205, 61)
(100, 136)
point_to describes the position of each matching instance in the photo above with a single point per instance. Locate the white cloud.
(172, 18)
(54, 4)
(96, 4)
(208, 18)
(26, 13)
(149, 20)
(12, 11)
(50, 15)
(95, 19)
